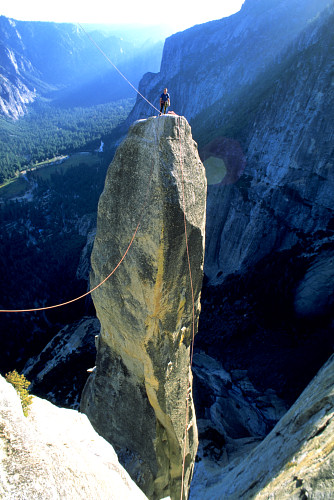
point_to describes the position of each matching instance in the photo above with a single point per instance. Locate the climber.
(164, 101)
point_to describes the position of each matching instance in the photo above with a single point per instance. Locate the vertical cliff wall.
(285, 195)
(137, 396)
(220, 59)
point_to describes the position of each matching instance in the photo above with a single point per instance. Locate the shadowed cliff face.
(294, 461)
(258, 87)
(136, 397)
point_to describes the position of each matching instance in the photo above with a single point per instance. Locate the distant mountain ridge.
(229, 76)
(215, 61)
(59, 62)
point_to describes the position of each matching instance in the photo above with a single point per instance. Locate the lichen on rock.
(137, 396)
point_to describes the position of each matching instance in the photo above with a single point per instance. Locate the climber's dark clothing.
(164, 102)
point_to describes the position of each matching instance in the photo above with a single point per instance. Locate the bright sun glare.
(178, 14)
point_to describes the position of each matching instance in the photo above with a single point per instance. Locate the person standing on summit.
(164, 101)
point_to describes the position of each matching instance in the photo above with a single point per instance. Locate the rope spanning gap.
(114, 66)
(193, 314)
(36, 309)
(133, 237)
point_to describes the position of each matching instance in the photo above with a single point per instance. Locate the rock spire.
(136, 397)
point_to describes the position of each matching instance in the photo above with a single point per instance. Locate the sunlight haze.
(179, 15)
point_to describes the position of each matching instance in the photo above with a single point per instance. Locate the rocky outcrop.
(59, 372)
(55, 453)
(294, 461)
(140, 392)
(232, 414)
(17, 73)
(15, 96)
(258, 88)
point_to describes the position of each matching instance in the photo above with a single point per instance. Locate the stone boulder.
(139, 395)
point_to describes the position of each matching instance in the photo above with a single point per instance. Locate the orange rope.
(128, 248)
(125, 253)
(133, 237)
(105, 279)
(193, 314)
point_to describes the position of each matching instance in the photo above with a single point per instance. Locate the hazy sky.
(180, 14)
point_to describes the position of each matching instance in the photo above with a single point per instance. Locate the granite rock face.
(137, 396)
(55, 453)
(285, 195)
(314, 296)
(18, 76)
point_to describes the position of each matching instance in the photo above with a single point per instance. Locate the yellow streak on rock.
(328, 449)
(159, 280)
